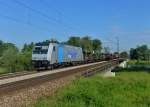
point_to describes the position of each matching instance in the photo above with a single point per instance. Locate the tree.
(97, 45)
(24, 60)
(9, 59)
(74, 41)
(140, 53)
(1, 48)
(1, 42)
(124, 54)
(86, 44)
(14, 60)
(5, 46)
(133, 53)
(25, 56)
(28, 47)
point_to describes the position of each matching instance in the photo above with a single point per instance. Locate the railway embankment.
(25, 92)
(127, 89)
(27, 95)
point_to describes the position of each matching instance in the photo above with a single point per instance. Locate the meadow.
(127, 89)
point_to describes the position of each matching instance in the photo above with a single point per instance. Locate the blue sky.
(24, 21)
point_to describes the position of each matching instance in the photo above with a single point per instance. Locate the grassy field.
(127, 89)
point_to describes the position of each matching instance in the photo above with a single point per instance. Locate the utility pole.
(117, 40)
(118, 45)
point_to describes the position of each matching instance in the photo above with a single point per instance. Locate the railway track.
(17, 74)
(11, 75)
(13, 82)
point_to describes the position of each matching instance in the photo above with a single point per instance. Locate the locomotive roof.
(47, 43)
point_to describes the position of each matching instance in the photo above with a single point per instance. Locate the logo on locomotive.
(72, 54)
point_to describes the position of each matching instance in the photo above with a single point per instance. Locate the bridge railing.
(100, 68)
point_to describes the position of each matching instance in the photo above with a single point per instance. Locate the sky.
(25, 21)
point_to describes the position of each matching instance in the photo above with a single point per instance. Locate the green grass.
(127, 89)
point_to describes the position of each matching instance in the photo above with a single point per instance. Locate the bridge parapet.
(105, 68)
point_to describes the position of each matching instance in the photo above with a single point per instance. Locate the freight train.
(52, 55)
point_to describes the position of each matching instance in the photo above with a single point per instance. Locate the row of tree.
(14, 59)
(140, 53)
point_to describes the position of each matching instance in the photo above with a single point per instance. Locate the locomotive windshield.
(40, 49)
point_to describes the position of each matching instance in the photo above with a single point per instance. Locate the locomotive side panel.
(68, 53)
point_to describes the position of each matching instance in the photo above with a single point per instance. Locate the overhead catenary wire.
(24, 22)
(43, 14)
(35, 10)
(116, 43)
(61, 15)
(14, 19)
(28, 21)
(46, 18)
(45, 3)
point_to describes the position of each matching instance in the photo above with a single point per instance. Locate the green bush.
(13, 60)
